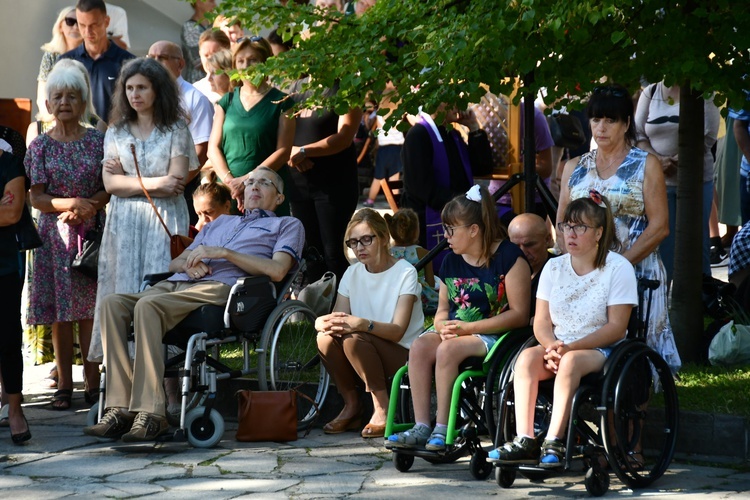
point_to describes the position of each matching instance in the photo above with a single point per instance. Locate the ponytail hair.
(476, 207)
(404, 227)
(597, 211)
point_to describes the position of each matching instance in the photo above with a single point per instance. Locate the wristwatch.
(370, 326)
(302, 150)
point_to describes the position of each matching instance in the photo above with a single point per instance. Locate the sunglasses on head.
(254, 39)
(71, 21)
(609, 90)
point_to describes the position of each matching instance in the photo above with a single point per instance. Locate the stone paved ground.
(61, 462)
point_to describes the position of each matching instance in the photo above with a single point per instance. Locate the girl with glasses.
(583, 306)
(484, 290)
(376, 317)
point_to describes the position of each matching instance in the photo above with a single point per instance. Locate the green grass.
(714, 389)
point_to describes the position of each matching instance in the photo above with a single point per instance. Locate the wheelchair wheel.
(505, 476)
(402, 462)
(202, 434)
(479, 467)
(596, 481)
(290, 360)
(641, 434)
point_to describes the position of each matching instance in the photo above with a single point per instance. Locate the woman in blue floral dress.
(484, 291)
(64, 166)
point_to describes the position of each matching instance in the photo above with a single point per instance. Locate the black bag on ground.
(566, 130)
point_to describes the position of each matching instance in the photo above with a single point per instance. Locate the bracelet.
(224, 180)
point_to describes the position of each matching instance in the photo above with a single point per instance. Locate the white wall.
(27, 24)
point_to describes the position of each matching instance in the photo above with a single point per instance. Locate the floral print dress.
(68, 170)
(476, 293)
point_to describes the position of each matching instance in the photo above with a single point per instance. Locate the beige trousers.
(153, 312)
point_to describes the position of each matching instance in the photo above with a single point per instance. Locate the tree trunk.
(687, 307)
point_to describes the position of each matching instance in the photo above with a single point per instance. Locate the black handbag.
(27, 237)
(86, 260)
(566, 131)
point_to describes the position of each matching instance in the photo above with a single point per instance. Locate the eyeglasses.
(71, 21)
(162, 57)
(366, 241)
(448, 230)
(261, 182)
(609, 90)
(579, 229)
(254, 39)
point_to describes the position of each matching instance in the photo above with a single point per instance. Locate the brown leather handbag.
(177, 242)
(267, 415)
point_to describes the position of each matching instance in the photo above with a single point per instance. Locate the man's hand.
(201, 253)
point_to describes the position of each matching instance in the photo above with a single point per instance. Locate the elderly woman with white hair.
(64, 167)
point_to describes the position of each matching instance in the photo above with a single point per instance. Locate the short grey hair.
(71, 74)
(274, 174)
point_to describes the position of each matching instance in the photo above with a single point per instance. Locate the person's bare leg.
(374, 189)
(90, 369)
(449, 355)
(62, 343)
(528, 372)
(421, 363)
(380, 407)
(16, 419)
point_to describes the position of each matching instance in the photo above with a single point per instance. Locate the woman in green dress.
(252, 126)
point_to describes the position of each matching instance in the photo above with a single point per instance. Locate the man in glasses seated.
(230, 247)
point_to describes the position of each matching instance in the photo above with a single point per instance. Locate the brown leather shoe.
(339, 425)
(373, 431)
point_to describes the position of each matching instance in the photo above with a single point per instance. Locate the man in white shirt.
(118, 25)
(199, 108)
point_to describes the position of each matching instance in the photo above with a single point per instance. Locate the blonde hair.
(58, 45)
(376, 222)
(404, 227)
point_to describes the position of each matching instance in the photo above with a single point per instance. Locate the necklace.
(615, 157)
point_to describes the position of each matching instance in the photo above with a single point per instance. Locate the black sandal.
(63, 397)
(91, 396)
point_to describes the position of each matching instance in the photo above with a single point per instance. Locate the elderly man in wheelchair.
(256, 243)
(584, 302)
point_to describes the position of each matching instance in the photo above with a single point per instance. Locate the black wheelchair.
(472, 412)
(269, 327)
(624, 418)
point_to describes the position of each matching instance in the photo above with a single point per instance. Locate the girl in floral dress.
(484, 291)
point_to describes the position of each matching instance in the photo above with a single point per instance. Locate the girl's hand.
(451, 329)
(552, 355)
(304, 165)
(173, 185)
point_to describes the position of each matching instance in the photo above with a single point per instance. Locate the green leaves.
(442, 50)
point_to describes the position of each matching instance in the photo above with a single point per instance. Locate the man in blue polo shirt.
(101, 57)
(232, 246)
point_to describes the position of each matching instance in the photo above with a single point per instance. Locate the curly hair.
(167, 108)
